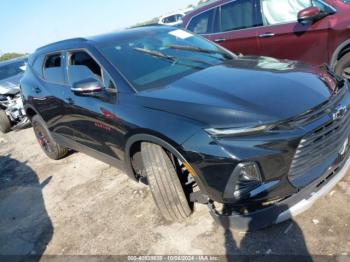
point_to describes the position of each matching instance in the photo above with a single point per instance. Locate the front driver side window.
(91, 69)
(282, 11)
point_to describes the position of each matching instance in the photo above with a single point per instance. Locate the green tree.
(8, 56)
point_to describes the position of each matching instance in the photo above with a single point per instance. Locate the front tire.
(164, 182)
(5, 123)
(46, 142)
(343, 66)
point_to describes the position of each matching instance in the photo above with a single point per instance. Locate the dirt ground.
(80, 206)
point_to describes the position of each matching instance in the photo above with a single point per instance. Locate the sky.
(28, 24)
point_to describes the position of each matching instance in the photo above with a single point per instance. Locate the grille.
(319, 146)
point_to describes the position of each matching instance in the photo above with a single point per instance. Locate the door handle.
(219, 40)
(70, 101)
(267, 35)
(37, 90)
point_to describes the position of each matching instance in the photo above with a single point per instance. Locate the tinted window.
(237, 15)
(153, 59)
(53, 68)
(282, 11)
(170, 19)
(10, 70)
(202, 23)
(92, 69)
(83, 58)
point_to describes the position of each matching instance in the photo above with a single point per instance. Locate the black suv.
(255, 138)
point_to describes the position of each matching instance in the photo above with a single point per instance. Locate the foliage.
(8, 56)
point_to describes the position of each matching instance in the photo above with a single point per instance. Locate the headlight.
(222, 132)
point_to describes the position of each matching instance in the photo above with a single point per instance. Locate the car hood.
(10, 86)
(244, 91)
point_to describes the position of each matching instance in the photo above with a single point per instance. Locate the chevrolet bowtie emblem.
(339, 112)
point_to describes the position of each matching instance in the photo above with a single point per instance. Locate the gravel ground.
(80, 206)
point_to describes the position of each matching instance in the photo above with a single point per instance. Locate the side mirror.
(310, 15)
(83, 81)
(87, 86)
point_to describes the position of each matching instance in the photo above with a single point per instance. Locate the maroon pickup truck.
(313, 31)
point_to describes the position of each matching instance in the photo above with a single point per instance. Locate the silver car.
(12, 114)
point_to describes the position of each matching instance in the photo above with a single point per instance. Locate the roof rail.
(72, 40)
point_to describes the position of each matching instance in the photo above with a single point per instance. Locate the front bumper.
(285, 209)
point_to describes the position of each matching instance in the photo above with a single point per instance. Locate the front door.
(91, 116)
(283, 37)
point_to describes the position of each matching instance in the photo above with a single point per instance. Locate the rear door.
(232, 25)
(50, 93)
(283, 37)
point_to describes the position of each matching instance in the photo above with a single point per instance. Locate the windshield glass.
(9, 70)
(152, 58)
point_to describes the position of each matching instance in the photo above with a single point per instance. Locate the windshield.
(156, 58)
(9, 70)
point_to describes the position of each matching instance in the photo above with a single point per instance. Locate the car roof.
(208, 4)
(130, 32)
(100, 39)
(81, 42)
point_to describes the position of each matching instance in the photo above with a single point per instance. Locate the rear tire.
(46, 142)
(164, 182)
(5, 123)
(343, 66)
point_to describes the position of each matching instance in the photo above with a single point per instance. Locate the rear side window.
(237, 15)
(53, 68)
(38, 65)
(202, 23)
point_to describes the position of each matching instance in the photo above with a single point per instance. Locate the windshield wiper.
(201, 50)
(173, 59)
(156, 54)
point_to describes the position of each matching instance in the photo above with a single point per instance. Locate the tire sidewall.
(343, 63)
(40, 126)
(5, 123)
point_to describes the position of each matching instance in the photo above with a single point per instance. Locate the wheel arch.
(30, 111)
(341, 50)
(136, 140)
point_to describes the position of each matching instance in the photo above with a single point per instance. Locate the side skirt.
(71, 144)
